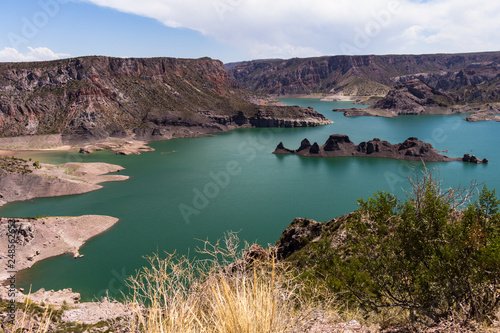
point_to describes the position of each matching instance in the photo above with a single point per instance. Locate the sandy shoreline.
(39, 239)
(328, 97)
(35, 240)
(22, 152)
(24, 146)
(56, 180)
(20, 180)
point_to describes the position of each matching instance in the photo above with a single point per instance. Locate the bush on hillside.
(424, 254)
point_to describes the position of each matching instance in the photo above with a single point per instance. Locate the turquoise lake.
(243, 188)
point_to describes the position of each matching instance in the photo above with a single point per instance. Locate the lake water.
(231, 181)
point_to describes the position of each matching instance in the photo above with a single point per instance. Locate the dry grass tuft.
(31, 319)
(176, 294)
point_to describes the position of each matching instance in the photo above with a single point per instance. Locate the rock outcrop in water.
(338, 145)
(158, 98)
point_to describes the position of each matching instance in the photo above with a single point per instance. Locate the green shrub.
(424, 254)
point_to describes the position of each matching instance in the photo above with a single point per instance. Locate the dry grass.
(229, 293)
(31, 319)
(175, 294)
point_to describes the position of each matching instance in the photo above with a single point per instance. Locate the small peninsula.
(42, 238)
(339, 145)
(24, 180)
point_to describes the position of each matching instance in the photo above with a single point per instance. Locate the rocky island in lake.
(339, 145)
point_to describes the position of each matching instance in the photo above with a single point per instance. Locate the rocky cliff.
(96, 97)
(474, 77)
(414, 97)
(338, 145)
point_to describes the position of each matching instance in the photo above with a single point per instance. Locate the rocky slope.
(477, 83)
(414, 97)
(338, 145)
(97, 97)
(473, 77)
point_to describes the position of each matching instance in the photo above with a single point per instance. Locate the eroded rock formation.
(339, 145)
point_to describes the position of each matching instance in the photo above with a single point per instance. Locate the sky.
(238, 30)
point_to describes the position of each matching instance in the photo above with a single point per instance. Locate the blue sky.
(235, 30)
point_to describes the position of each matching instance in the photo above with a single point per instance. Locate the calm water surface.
(231, 181)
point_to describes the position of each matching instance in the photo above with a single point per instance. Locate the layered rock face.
(477, 83)
(339, 145)
(413, 97)
(97, 97)
(473, 77)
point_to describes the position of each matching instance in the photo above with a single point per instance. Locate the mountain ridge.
(152, 98)
(447, 72)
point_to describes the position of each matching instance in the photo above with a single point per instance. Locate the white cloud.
(10, 54)
(287, 28)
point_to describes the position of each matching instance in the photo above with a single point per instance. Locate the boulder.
(300, 232)
(362, 147)
(370, 148)
(255, 252)
(305, 144)
(89, 149)
(336, 142)
(280, 149)
(314, 149)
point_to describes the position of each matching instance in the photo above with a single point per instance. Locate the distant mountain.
(96, 97)
(472, 77)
